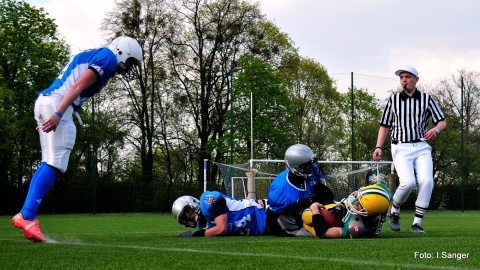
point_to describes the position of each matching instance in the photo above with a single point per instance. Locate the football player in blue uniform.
(293, 190)
(216, 214)
(85, 75)
(362, 213)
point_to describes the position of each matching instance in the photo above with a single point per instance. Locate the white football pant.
(56, 146)
(410, 159)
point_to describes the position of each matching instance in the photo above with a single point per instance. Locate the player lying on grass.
(361, 215)
(216, 214)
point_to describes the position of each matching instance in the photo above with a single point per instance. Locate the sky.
(369, 37)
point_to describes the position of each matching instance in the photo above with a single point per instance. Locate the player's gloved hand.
(198, 233)
(302, 204)
(338, 211)
(186, 234)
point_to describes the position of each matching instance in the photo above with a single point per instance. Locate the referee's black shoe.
(394, 221)
(416, 228)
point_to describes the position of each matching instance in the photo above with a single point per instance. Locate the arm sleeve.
(319, 225)
(220, 208)
(323, 194)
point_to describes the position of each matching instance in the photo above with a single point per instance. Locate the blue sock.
(32, 183)
(41, 183)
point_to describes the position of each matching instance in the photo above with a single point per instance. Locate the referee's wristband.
(59, 114)
(379, 147)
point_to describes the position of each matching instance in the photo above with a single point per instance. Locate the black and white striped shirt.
(408, 117)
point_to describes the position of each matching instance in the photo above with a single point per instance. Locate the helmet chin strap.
(122, 68)
(125, 72)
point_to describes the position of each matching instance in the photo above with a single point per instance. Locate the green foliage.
(272, 109)
(366, 116)
(159, 128)
(317, 121)
(455, 151)
(148, 241)
(32, 56)
(271, 45)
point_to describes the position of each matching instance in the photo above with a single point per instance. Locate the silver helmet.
(186, 210)
(300, 160)
(365, 227)
(128, 53)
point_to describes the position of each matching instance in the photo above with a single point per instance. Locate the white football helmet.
(128, 52)
(300, 160)
(186, 210)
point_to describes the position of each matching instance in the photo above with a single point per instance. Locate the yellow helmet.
(370, 200)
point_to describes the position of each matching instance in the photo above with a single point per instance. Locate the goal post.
(251, 180)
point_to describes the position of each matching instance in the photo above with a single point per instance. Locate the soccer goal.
(343, 177)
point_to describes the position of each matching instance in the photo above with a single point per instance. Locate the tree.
(32, 55)
(271, 112)
(317, 118)
(446, 153)
(367, 112)
(214, 33)
(147, 21)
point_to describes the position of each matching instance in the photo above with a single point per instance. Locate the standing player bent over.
(85, 75)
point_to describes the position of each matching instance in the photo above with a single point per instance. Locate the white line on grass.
(268, 255)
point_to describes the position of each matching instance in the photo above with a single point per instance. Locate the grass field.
(148, 241)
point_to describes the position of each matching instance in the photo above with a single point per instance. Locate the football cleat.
(394, 221)
(416, 228)
(30, 228)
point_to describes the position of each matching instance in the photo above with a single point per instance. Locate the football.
(330, 219)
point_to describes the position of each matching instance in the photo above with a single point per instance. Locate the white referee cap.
(408, 69)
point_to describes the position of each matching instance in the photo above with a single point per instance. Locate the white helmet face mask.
(300, 160)
(186, 210)
(354, 205)
(128, 53)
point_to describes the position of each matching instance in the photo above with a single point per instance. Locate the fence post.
(205, 175)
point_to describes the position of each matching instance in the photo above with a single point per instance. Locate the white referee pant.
(56, 146)
(412, 159)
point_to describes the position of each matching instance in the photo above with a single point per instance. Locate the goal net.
(342, 177)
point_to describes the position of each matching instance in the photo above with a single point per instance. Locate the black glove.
(302, 204)
(192, 233)
(186, 234)
(338, 211)
(198, 233)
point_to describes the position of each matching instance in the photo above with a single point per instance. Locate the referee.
(405, 118)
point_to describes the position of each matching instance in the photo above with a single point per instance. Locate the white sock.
(395, 210)
(417, 220)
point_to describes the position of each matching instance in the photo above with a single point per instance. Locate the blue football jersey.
(245, 217)
(102, 61)
(282, 194)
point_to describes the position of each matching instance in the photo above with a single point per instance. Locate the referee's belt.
(414, 141)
